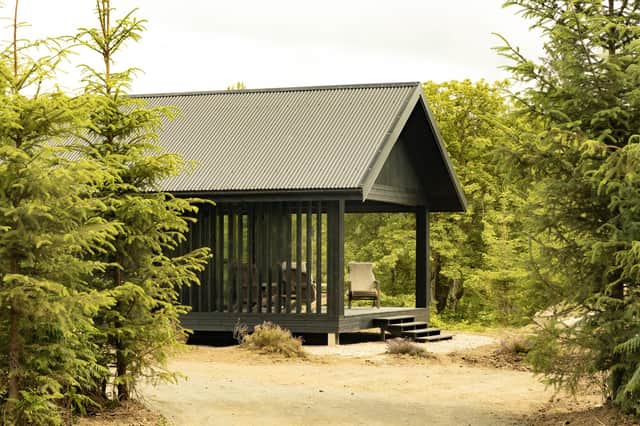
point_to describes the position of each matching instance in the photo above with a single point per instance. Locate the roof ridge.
(278, 89)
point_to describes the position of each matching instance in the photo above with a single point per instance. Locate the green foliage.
(49, 221)
(478, 258)
(270, 338)
(141, 328)
(580, 165)
(479, 254)
(87, 281)
(389, 240)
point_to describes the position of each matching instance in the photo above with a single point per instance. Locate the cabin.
(283, 167)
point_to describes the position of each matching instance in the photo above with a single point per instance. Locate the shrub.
(270, 338)
(516, 344)
(400, 346)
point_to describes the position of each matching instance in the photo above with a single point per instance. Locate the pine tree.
(48, 222)
(583, 213)
(141, 329)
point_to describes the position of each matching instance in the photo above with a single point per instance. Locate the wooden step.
(421, 332)
(385, 321)
(406, 326)
(434, 338)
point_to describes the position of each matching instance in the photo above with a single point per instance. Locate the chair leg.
(349, 300)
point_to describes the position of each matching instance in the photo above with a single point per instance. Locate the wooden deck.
(355, 319)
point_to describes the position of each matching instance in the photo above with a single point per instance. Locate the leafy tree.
(140, 330)
(583, 212)
(471, 251)
(479, 254)
(238, 85)
(48, 222)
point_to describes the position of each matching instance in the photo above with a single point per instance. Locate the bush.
(516, 344)
(270, 338)
(400, 346)
(399, 300)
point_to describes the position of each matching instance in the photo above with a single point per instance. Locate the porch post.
(335, 258)
(340, 257)
(422, 257)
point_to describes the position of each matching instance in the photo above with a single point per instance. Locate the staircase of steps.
(407, 327)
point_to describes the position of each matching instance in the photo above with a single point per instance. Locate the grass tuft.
(516, 344)
(270, 338)
(400, 346)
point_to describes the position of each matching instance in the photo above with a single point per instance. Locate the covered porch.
(253, 276)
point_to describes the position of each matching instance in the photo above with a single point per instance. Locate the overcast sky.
(210, 44)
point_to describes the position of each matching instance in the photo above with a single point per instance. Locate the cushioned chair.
(363, 284)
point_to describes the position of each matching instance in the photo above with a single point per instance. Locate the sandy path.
(228, 386)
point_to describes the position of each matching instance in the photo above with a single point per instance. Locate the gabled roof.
(290, 139)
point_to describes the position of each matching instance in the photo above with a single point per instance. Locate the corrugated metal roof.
(281, 139)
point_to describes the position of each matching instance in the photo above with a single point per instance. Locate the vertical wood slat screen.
(267, 258)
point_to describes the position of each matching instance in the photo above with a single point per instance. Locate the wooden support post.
(213, 262)
(193, 291)
(308, 252)
(269, 238)
(206, 239)
(299, 257)
(335, 258)
(333, 339)
(340, 256)
(251, 244)
(281, 247)
(422, 257)
(287, 272)
(231, 288)
(220, 262)
(319, 259)
(261, 250)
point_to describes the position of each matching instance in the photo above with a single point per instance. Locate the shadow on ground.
(221, 339)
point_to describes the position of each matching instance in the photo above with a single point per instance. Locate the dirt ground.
(466, 381)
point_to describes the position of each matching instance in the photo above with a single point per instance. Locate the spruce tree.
(141, 329)
(48, 222)
(583, 212)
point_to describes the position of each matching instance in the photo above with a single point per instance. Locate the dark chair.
(245, 277)
(290, 279)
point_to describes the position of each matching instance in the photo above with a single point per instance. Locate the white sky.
(210, 44)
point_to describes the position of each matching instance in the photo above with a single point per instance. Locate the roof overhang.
(442, 194)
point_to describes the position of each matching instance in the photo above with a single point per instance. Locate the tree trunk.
(14, 358)
(14, 347)
(121, 372)
(433, 279)
(121, 360)
(455, 293)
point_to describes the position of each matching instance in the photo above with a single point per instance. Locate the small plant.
(240, 331)
(270, 338)
(401, 346)
(516, 345)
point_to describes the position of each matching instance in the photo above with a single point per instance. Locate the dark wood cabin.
(283, 167)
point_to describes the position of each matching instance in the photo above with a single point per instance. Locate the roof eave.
(275, 194)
